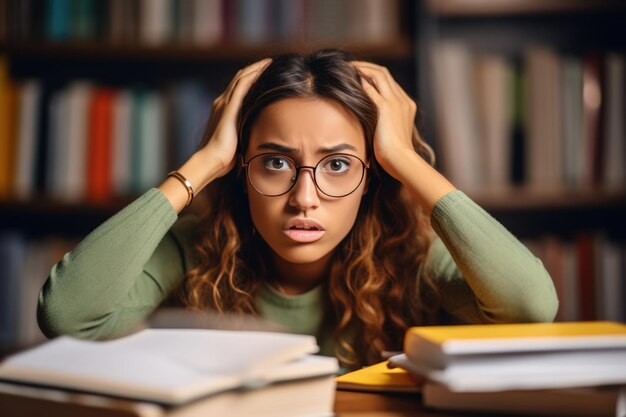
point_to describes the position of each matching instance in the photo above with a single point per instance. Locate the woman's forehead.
(306, 126)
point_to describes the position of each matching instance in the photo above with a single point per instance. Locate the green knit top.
(125, 268)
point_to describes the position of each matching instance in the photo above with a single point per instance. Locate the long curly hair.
(372, 292)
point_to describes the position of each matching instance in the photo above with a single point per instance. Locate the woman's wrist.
(199, 170)
(423, 181)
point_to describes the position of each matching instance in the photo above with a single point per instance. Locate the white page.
(164, 365)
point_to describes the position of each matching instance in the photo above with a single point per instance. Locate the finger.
(257, 67)
(381, 76)
(378, 79)
(371, 91)
(240, 89)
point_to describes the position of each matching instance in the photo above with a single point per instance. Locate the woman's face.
(306, 130)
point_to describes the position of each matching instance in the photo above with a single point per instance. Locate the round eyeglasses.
(336, 175)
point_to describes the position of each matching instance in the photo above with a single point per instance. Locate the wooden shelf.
(525, 211)
(400, 48)
(533, 198)
(528, 212)
(459, 8)
(44, 216)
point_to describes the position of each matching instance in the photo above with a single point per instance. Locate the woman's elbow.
(542, 304)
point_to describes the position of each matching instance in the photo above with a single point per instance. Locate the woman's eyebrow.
(287, 149)
(340, 147)
(277, 147)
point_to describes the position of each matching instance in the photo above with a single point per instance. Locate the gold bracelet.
(186, 183)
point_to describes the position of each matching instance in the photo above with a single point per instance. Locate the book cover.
(206, 22)
(522, 337)
(27, 143)
(585, 402)
(380, 378)
(614, 157)
(492, 78)
(593, 103)
(99, 187)
(456, 119)
(8, 121)
(122, 146)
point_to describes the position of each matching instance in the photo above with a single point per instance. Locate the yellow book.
(436, 343)
(518, 356)
(379, 378)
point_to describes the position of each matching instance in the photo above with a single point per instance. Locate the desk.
(347, 404)
(360, 404)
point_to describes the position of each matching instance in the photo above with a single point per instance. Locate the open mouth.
(304, 235)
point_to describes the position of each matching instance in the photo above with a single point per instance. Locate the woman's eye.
(337, 165)
(275, 163)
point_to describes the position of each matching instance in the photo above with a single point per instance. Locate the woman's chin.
(303, 254)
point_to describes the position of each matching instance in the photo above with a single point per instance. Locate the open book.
(169, 367)
(517, 356)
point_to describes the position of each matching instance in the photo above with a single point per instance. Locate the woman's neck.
(293, 279)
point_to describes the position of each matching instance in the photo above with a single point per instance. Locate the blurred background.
(522, 100)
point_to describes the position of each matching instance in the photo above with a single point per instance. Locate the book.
(310, 397)
(171, 367)
(455, 115)
(99, 177)
(517, 356)
(379, 378)
(586, 402)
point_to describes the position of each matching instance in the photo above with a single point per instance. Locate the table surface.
(365, 404)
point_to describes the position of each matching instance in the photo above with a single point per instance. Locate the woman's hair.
(373, 294)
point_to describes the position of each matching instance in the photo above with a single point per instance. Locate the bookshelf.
(526, 104)
(174, 55)
(168, 62)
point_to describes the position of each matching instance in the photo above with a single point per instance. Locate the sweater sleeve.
(117, 275)
(485, 274)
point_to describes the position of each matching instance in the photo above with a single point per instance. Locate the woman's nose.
(304, 194)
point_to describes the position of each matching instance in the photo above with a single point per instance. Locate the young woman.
(321, 196)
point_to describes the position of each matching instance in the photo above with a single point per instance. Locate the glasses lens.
(271, 174)
(339, 175)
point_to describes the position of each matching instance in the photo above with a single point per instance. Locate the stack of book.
(574, 368)
(173, 372)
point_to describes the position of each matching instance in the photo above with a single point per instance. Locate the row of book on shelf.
(198, 22)
(543, 118)
(588, 274)
(84, 141)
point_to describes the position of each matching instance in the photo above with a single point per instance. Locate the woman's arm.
(116, 276)
(507, 282)
(483, 272)
(120, 272)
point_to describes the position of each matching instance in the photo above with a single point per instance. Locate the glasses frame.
(299, 167)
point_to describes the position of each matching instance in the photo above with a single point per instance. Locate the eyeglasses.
(336, 175)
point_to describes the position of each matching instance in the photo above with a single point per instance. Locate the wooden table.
(361, 404)
(347, 404)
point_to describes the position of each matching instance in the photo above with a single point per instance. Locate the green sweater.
(126, 267)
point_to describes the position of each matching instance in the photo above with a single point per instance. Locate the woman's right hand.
(218, 155)
(221, 132)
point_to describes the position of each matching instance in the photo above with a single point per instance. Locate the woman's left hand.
(396, 119)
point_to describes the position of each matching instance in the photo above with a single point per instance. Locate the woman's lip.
(304, 236)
